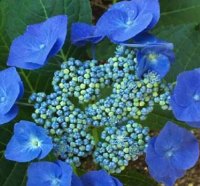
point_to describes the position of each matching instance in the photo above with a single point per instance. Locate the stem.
(114, 1)
(68, 51)
(95, 135)
(25, 104)
(93, 47)
(27, 80)
(74, 169)
(62, 55)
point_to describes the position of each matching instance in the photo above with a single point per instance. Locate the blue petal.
(146, 38)
(25, 129)
(117, 182)
(139, 7)
(160, 63)
(160, 167)
(119, 27)
(149, 39)
(5, 118)
(130, 7)
(97, 178)
(20, 152)
(48, 174)
(194, 124)
(184, 106)
(81, 33)
(170, 137)
(149, 6)
(180, 143)
(21, 147)
(43, 173)
(11, 89)
(76, 181)
(66, 177)
(38, 43)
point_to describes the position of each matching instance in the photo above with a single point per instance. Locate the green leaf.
(179, 12)
(103, 50)
(132, 177)
(186, 39)
(179, 25)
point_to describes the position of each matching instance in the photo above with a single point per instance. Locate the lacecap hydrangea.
(97, 109)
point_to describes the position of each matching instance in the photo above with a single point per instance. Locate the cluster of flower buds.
(91, 94)
(120, 144)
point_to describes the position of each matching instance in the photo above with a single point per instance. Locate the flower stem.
(93, 48)
(27, 80)
(63, 55)
(95, 135)
(25, 104)
(74, 169)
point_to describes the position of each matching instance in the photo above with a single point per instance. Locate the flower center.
(55, 182)
(152, 57)
(2, 99)
(42, 46)
(196, 97)
(169, 153)
(35, 143)
(129, 22)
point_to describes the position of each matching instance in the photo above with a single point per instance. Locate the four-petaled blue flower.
(156, 59)
(126, 19)
(28, 142)
(11, 90)
(82, 33)
(185, 99)
(40, 42)
(50, 174)
(99, 178)
(171, 153)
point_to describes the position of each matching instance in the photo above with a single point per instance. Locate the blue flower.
(171, 153)
(28, 142)
(83, 33)
(50, 174)
(153, 54)
(39, 43)
(11, 90)
(156, 59)
(99, 178)
(185, 100)
(126, 19)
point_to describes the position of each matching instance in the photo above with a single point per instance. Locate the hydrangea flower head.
(11, 90)
(171, 153)
(99, 178)
(49, 174)
(126, 19)
(185, 100)
(28, 142)
(156, 59)
(83, 33)
(38, 43)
